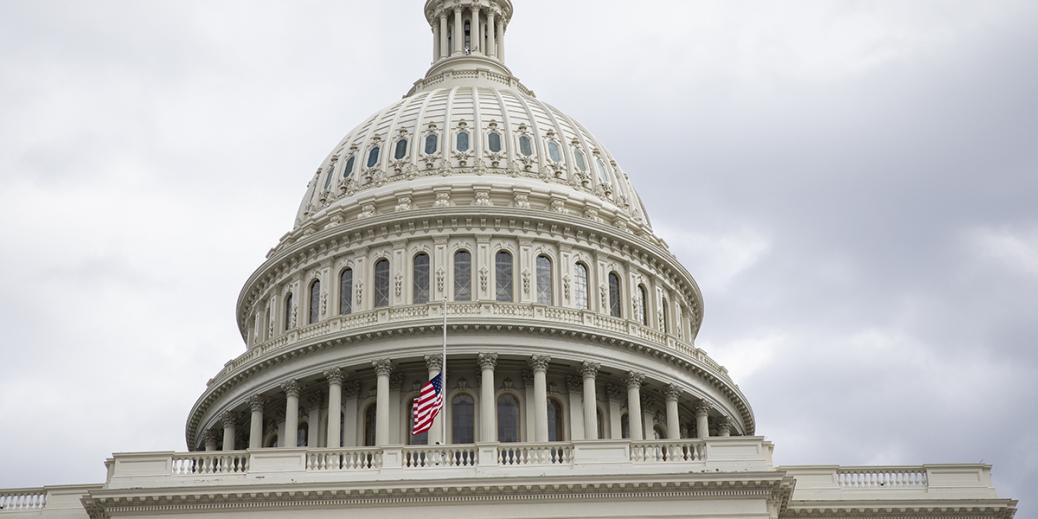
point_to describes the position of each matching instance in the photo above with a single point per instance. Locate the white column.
(444, 41)
(702, 421)
(436, 42)
(634, 404)
(435, 365)
(487, 398)
(230, 423)
(477, 42)
(383, 368)
(256, 424)
(210, 440)
(350, 391)
(616, 395)
(673, 420)
(491, 35)
(335, 378)
(459, 32)
(539, 364)
(291, 390)
(589, 371)
(501, 48)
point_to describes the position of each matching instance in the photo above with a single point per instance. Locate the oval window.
(401, 149)
(554, 151)
(373, 156)
(494, 142)
(603, 175)
(348, 170)
(463, 141)
(432, 142)
(526, 145)
(578, 156)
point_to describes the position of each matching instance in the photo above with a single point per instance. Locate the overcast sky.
(854, 184)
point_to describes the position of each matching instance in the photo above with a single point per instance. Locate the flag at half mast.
(427, 405)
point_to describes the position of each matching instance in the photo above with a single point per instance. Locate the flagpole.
(443, 373)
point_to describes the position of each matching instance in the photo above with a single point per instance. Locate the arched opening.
(413, 439)
(421, 279)
(315, 302)
(503, 277)
(370, 415)
(544, 280)
(346, 292)
(289, 311)
(625, 426)
(303, 435)
(556, 421)
(615, 308)
(508, 418)
(601, 424)
(463, 420)
(666, 315)
(462, 276)
(580, 284)
(381, 283)
(643, 305)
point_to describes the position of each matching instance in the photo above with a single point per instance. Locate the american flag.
(427, 405)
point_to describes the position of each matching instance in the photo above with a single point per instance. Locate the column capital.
(634, 380)
(672, 393)
(334, 376)
(539, 363)
(487, 361)
(229, 419)
(434, 362)
(383, 367)
(615, 392)
(291, 388)
(351, 388)
(702, 409)
(211, 435)
(527, 377)
(574, 383)
(396, 380)
(590, 369)
(256, 403)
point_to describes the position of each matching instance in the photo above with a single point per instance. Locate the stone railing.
(23, 499)
(493, 311)
(820, 483)
(417, 462)
(31, 502)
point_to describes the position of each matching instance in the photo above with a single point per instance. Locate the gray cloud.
(852, 183)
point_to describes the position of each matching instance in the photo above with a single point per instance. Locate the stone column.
(459, 32)
(229, 430)
(436, 42)
(210, 440)
(501, 52)
(477, 41)
(491, 35)
(383, 368)
(444, 41)
(291, 389)
(435, 365)
(616, 395)
(589, 371)
(256, 425)
(634, 404)
(673, 420)
(335, 378)
(487, 398)
(539, 364)
(703, 421)
(724, 427)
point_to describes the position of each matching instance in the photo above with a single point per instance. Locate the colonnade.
(487, 33)
(639, 424)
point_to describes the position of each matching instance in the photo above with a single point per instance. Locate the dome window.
(544, 280)
(463, 141)
(421, 279)
(432, 143)
(346, 292)
(503, 276)
(526, 145)
(401, 149)
(462, 276)
(328, 179)
(347, 171)
(382, 283)
(494, 142)
(615, 309)
(554, 151)
(603, 172)
(580, 159)
(373, 156)
(508, 418)
(315, 302)
(580, 285)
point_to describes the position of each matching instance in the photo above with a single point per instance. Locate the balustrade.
(534, 454)
(343, 460)
(23, 500)
(881, 477)
(210, 463)
(668, 451)
(447, 456)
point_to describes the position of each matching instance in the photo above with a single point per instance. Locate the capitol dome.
(469, 202)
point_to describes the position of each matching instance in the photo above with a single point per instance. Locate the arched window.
(421, 279)
(494, 142)
(554, 151)
(463, 141)
(507, 418)
(462, 276)
(346, 292)
(421, 439)
(544, 280)
(303, 434)
(580, 159)
(401, 149)
(556, 423)
(525, 145)
(463, 420)
(503, 273)
(289, 311)
(603, 172)
(666, 315)
(615, 308)
(315, 301)
(642, 306)
(370, 414)
(432, 143)
(625, 426)
(347, 171)
(381, 283)
(373, 156)
(580, 284)
(328, 179)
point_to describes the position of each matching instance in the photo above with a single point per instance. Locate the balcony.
(826, 483)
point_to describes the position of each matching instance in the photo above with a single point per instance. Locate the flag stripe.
(427, 405)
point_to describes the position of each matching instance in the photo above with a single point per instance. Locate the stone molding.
(487, 361)
(539, 363)
(383, 367)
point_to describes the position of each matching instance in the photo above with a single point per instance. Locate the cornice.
(903, 509)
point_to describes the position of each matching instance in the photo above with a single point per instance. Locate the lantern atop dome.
(468, 35)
